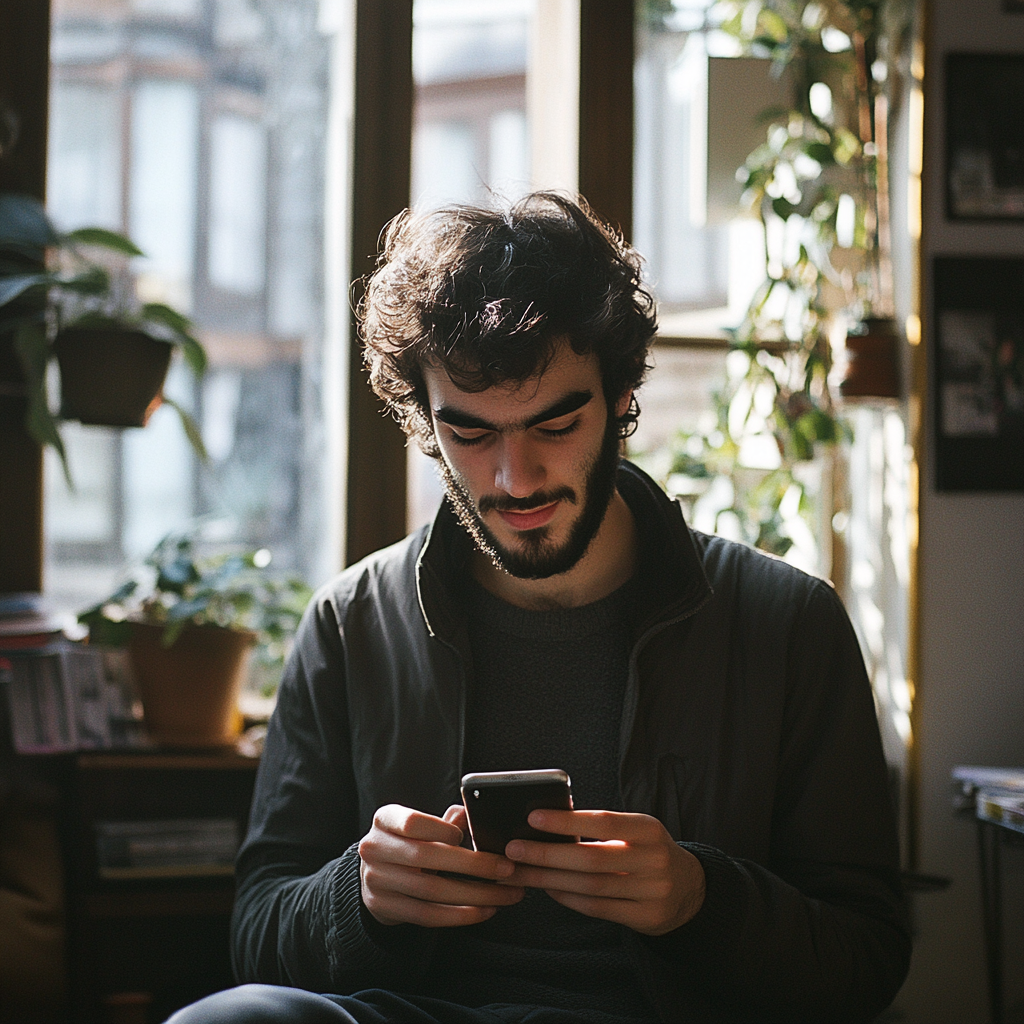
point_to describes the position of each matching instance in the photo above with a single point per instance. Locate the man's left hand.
(629, 870)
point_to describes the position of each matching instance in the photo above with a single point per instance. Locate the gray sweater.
(748, 729)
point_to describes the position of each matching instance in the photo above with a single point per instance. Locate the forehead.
(566, 372)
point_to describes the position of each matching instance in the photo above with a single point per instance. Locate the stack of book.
(996, 794)
(63, 696)
(180, 847)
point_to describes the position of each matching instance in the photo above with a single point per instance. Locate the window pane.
(199, 128)
(470, 132)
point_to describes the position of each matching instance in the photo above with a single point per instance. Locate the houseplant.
(60, 303)
(818, 187)
(190, 622)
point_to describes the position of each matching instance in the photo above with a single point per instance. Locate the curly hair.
(488, 294)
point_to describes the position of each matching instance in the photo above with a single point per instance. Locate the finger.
(382, 847)
(404, 821)
(606, 885)
(611, 856)
(599, 825)
(456, 815)
(433, 888)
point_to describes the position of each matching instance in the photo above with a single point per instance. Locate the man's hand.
(400, 857)
(633, 872)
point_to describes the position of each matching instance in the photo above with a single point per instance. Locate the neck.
(608, 563)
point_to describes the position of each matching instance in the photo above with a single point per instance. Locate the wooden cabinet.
(149, 933)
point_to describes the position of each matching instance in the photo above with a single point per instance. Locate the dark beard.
(537, 559)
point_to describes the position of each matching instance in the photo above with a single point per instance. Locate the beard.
(536, 556)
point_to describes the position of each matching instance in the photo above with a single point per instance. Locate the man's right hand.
(400, 857)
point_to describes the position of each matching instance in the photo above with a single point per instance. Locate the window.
(199, 128)
(470, 134)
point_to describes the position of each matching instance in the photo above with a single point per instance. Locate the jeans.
(274, 1004)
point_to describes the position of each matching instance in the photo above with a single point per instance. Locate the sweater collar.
(670, 571)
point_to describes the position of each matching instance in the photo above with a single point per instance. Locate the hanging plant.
(817, 187)
(59, 303)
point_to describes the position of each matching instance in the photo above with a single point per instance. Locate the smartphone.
(498, 804)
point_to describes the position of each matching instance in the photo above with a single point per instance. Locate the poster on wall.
(985, 136)
(978, 360)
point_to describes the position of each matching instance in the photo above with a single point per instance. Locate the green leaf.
(93, 281)
(181, 327)
(191, 428)
(23, 222)
(821, 152)
(111, 240)
(12, 287)
(772, 25)
(34, 353)
(783, 207)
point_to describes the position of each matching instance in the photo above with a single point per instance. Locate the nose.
(519, 471)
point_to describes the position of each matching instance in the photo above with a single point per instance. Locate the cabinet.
(150, 933)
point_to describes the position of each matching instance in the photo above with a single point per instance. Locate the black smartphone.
(498, 804)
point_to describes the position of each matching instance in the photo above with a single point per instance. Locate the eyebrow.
(569, 403)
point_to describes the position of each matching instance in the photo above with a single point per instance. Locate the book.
(171, 848)
(970, 779)
(66, 696)
(1002, 808)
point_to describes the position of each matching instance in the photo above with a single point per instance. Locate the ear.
(622, 405)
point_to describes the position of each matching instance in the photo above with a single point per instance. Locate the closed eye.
(553, 431)
(468, 440)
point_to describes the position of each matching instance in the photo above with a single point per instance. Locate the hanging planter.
(112, 351)
(873, 357)
(110, 377)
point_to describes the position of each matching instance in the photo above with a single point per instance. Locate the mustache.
(506, 503)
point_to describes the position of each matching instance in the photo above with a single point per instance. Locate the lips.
(531, 520)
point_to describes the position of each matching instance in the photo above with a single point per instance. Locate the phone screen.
(498, 804)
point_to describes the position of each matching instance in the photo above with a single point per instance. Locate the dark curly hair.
(487, 294)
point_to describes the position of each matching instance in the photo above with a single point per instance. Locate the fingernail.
(515, 849)
(536, 818)
(505, 868)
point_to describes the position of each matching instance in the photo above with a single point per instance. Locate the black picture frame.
(978, 373)
(985, 136)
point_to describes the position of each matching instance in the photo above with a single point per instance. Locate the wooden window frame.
(375, 474)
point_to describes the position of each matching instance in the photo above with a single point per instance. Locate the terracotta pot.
(873, 370)
(110, 378)
(190, 690)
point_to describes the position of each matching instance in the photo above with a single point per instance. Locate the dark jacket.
(748, 729)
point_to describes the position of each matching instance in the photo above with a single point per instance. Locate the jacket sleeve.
(298, 918)
(820, 931)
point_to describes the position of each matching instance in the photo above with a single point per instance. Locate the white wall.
(971, 688)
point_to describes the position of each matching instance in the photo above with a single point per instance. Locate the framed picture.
(985, 136)
(978, 384)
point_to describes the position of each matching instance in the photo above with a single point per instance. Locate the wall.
(970, 706)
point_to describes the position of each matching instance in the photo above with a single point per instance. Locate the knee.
(262, 1004)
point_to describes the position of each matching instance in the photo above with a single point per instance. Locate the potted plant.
(112, 351)
(190, 623)
(817, 185)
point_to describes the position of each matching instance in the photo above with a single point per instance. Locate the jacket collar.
(670, 571)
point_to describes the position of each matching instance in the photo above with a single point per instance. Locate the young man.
(709, 703)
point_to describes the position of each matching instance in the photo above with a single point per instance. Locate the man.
(708, 702)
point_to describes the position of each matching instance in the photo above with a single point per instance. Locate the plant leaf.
(23, 222)
(191, 428)
(34, 353)
(12, 287)
(105, 239)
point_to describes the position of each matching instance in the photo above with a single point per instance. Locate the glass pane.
(696, 107)
(470, 132)
(199, 128)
